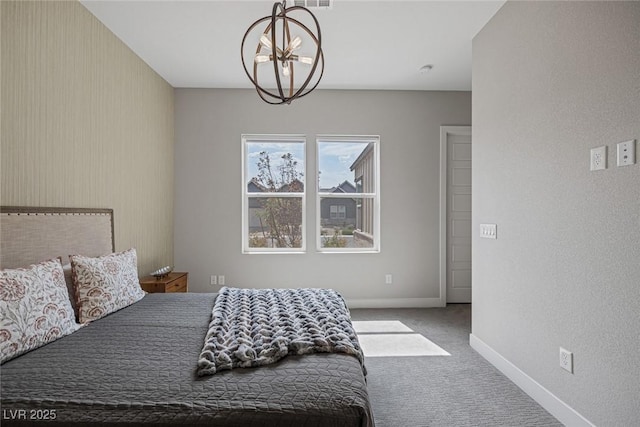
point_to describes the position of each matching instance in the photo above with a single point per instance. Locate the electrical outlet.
(566, 360)
(214, 280)
(221, 280)
(599, 158)
(627, 153)
(388, 279)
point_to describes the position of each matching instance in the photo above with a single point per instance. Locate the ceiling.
(377, 45)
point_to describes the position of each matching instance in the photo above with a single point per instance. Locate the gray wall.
(550, 81)
(209, 123)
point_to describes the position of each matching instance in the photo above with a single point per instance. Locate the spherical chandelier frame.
(283, 58)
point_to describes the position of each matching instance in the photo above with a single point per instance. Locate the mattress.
(138, 366)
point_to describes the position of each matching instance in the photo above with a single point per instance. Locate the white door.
(457, 142)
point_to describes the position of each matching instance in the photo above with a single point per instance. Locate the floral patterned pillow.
(34, 308)
(105, 284)
(66, 268)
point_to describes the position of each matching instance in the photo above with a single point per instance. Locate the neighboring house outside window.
(364, 169)
(273, 202)
(338, 212)
(349, 212)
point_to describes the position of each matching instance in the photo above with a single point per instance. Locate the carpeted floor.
(460, 390)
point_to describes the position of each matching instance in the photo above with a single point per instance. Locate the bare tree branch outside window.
(280, 217)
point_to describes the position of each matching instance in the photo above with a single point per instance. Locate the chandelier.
(278, 61)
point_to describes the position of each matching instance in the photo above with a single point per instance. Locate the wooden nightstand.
(174, 282)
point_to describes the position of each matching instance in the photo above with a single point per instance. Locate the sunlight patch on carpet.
(394, 345)
(379, 326)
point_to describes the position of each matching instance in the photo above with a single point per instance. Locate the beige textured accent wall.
(86, 123)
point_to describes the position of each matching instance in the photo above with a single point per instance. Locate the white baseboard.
(556, 407)
(394, 303)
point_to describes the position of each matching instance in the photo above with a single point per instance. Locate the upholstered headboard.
(29, 235)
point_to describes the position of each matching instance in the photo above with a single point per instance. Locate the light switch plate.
(627, 153)
(489, 231)
(599, 158)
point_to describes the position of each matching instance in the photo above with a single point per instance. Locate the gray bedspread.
(256, 327)
(138, 367)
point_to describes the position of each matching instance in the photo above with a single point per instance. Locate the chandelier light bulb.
(285, 69)
(305, 59)
(265, 41)
(295, 43)
(262, 58)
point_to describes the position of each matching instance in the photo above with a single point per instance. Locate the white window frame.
(255, 138)
(375, 196)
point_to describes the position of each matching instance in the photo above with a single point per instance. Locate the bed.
(138, 365)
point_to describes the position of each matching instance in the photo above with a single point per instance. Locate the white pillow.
(105, 284)
(34, 308)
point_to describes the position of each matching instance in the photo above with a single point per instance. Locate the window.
(348, 204)
(338, 212)
(273, 187)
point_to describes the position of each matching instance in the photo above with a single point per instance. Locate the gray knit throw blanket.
(254, 327)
